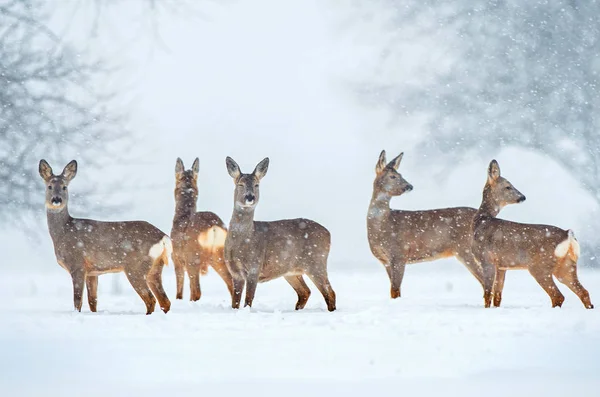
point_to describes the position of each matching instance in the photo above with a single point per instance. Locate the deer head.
(57, 191)
(500, 192)
(246, 185)
(388, 179)
(186, 181)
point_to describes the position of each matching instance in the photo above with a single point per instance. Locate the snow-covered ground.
(436, 340)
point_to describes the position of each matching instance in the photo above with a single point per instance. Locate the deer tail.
(569, 247)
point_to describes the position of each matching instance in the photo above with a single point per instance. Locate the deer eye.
(256, 185)
(393, 176)
(49, 187)
(507, 188)
(64, 188)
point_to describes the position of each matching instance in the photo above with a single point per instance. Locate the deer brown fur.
(262, 251)
(87, 248)
(198, 237)
(398, 237)
(501, 245)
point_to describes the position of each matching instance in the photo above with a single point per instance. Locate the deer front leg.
(498, 286)
(91, 282)
(78, 277)
(489, 275)
(179, 276)
(238, 288)
(194, 275)
(396, 273)
(251, 283)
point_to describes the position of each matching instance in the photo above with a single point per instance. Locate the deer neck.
(185, 207)
(379, 208)
(242, 221)
(57, 221)
(489, 207)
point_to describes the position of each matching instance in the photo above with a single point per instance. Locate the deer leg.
(194, 275)
(238, 288)
(544, 279)
(78, 277)
(397, 274)
(141, 287)
(468, 259)
(489, 274)
(567, 274)
(91, 282)
(498, 286)
(219, 265)
(251, 283)
(298, 284)
(322, 283)
(154, 281)
(179, 276)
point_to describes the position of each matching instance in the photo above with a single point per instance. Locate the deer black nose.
(408, 188)
(521, 199)
(56, 200)
(250, 198)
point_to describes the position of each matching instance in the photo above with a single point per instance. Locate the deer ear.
(395, 163)
(45, 170)
(70, 171)
(381, 163)
(196, 166)
(493, 171)
(179, 167)
(261, 168)
(233, 168)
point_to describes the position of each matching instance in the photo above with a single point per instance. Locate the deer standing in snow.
(198, 237)
(501, 245)
(398, 237)
(262, 251)
(87, 248)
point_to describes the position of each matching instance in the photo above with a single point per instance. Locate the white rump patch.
(212, 238)
(159, 248)
(562, 249)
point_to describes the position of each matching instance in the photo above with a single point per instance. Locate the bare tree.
(48, 106)
(524, 74)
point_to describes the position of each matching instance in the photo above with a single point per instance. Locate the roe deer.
(87, 248)
(399, 237)
(501, 245)
(262, 251)
(198, 237)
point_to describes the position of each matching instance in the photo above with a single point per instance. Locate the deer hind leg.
(498, 286)
(140, 286)
(566, 273)
(154, 281)
(322, 283)
(78, 277)
(298, 284)
(544, 279)
(179, 276)
(396, 272)
(218, 264)
(91, 282)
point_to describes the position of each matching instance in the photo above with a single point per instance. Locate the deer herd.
(249, 252)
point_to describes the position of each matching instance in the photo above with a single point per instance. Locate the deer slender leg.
(91, 282)
(154, 281)
(489, 274)
(141, 287)
(238, 288)
(321, 281)
(567, 274)
(298, 284)
(78, 277)
(545, 280)
(397, 274)
(193, 272)
(179, 276)
(219, 265)
(251, 283)
(498, 286)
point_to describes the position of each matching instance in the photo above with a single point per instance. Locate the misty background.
(320, 87)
